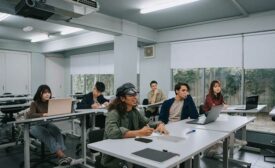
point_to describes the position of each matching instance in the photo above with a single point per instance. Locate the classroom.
(132, 84)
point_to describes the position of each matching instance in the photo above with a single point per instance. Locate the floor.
(13, 157)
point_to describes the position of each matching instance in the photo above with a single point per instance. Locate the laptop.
(212, 115)
(59, 106)
(251, 103)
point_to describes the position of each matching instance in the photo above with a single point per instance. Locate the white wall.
(55, 75)
(157, 68)
(38, 71)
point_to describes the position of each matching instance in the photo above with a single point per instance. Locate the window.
(85, 83)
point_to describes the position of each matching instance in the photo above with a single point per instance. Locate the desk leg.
(84, 139)
(225, 153)
(244, 133)
(27, 145)
(231, 142)
(188, 163)
(196, 161)
(93, 121)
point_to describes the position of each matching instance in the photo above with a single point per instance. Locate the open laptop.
(251, 103)
(212, 115)
(59, 106)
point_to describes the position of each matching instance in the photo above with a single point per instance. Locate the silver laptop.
(59, 106)
(212, 115)
(251, 102)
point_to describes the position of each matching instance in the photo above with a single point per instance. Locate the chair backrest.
(201, 111)
(145, 102)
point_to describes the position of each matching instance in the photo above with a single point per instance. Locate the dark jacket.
(188, 110)
(88, 100)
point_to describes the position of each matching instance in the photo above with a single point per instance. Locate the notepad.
(155, 155)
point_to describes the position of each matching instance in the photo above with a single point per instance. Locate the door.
(17, 74)
(2, 72)
(55, 75)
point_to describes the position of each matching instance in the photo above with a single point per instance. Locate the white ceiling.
(195, 13)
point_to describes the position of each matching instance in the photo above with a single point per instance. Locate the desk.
(231, 109)
(15, 98)
(26, 125)
(151, 105)
(272, 112)
(15, 105)
(191, 146)
(229, 124)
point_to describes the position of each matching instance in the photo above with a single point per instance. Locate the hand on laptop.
(45, 114)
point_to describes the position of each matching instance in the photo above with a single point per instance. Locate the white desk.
(191, 146)
(272, 112)
(15, 98)
(151, 105)
(231, 109)
(15, 105)
(27, 122)
(229, 124)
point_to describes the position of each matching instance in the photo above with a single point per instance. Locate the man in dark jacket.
(180, 107)
(95, 100)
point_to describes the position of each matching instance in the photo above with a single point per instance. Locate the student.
(155, 95)
(214, 96)
(95, 100)
(125, 121)
(180, 107)
(47, 132)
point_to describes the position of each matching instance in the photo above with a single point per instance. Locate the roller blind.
(259, 51)
(92, 63)
(206, 53)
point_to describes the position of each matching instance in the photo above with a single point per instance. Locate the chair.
(201, 111)
(149, 114)
(95, 136)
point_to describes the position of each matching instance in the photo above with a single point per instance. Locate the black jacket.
(88, 100)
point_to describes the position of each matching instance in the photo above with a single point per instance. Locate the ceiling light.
(38, 38)
(3, 16)
(27, 28)
(165, 5)
(69, 30)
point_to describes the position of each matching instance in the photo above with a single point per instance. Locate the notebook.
(59, 106)
(155, 155)
(250, 103)
(212, 115)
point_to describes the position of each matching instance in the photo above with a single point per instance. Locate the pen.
(189, 132)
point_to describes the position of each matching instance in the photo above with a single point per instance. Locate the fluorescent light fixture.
(41, 37)
(3, 16)
(69, 30)
(165, 5)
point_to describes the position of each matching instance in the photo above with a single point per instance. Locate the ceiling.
(198, 12)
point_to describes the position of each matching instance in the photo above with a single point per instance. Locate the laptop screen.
(251, 102)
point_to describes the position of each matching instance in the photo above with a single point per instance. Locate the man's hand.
(161, 129)
(146, 131)
(45, 114)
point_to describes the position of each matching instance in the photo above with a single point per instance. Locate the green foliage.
(189, 76)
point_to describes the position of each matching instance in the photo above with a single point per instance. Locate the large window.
(85, 83)
(257, 82)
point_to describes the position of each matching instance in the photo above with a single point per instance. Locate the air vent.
(149, 51)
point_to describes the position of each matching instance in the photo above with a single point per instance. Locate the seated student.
(125, 121)
(214, 96)
(95, 100)
(180, 107)
(155, 95)
(47, 132)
